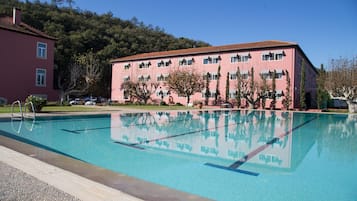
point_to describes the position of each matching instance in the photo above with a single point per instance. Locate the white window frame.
(40, 80)
(211, 59)
(41, 50)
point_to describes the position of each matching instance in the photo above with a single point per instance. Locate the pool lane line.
(129, 145)
(250, 155)
(233, 170)
(71, 131)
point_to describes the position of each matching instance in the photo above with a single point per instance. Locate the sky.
(324, 29)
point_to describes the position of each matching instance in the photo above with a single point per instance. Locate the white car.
(89, 102)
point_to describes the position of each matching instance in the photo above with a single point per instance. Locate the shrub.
(163, 103)
(3, 101)
(37, 102)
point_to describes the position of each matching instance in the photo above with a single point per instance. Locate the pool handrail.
(20, 109)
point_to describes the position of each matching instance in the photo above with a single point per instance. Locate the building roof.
(7, 24)
(206, 50)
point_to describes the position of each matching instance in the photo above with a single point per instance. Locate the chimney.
(16, 16)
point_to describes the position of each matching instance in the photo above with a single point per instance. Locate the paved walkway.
(35, 180)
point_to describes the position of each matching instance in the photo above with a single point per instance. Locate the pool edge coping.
(126, 187)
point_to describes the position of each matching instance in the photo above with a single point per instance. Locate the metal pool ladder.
(22, 114)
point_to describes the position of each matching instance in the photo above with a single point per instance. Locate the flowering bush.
(37, 102)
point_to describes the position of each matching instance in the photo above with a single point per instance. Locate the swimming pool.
(221, 155)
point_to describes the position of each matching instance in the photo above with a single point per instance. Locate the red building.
(26, 60)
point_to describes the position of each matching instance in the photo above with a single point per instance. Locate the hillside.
(80, 31)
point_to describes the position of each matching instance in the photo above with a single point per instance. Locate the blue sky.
(324, 29)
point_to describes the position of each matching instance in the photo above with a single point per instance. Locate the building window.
(41, 50)
(126, 78)
(126, 66)
(244, 75)
(211, 94)
(162, 77)
(271, 56)
(242, 57)
(144, 64)
(144, 78)
(268, 74)
(232, 93)
(126, 94)
(232, 75)
(163, 63)
(40, 77)
(186, 62)
(210, 76)
(211, 60)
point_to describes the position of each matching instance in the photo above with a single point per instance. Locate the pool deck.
(73, 179)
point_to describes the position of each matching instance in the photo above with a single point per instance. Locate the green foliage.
(239, 88)
(218, 93)
(302, 87)
(273, 88)
(322, 93)
(227, 87)
(207, 93)
(37, 102)
(3, 101)
(80, 31)
(287, 97)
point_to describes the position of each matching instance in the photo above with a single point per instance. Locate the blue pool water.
(221, 155)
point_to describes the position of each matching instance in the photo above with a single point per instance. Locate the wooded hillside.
(80, 32)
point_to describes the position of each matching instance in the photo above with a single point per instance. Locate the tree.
(84, 72)
(302, 87)
(79, 30)
(265, 88)
(141, 90)
(287, 96)
(218, 93)
(185, 82)
(341, 81)
(239, 88)
(251, 91)
(227, 87)
(207, 93)
(322, 94)
(273, 88)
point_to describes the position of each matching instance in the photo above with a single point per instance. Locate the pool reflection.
(222, 136)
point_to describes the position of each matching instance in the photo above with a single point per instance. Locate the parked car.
(226, 105)
(90, 102)
(76, 101)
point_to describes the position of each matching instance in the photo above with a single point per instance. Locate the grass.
(7, 109)
(81, 108)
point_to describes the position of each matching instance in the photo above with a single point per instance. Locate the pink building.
(264, 57)
(26, 60)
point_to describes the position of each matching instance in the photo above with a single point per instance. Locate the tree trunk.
(352, 107)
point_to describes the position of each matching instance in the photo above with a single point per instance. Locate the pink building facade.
(264, 57)
(26, 60)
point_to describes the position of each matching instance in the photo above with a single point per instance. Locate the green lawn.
(81, 108)
(7, 109)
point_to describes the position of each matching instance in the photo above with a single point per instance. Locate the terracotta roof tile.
(205, 50)
(6, 23)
